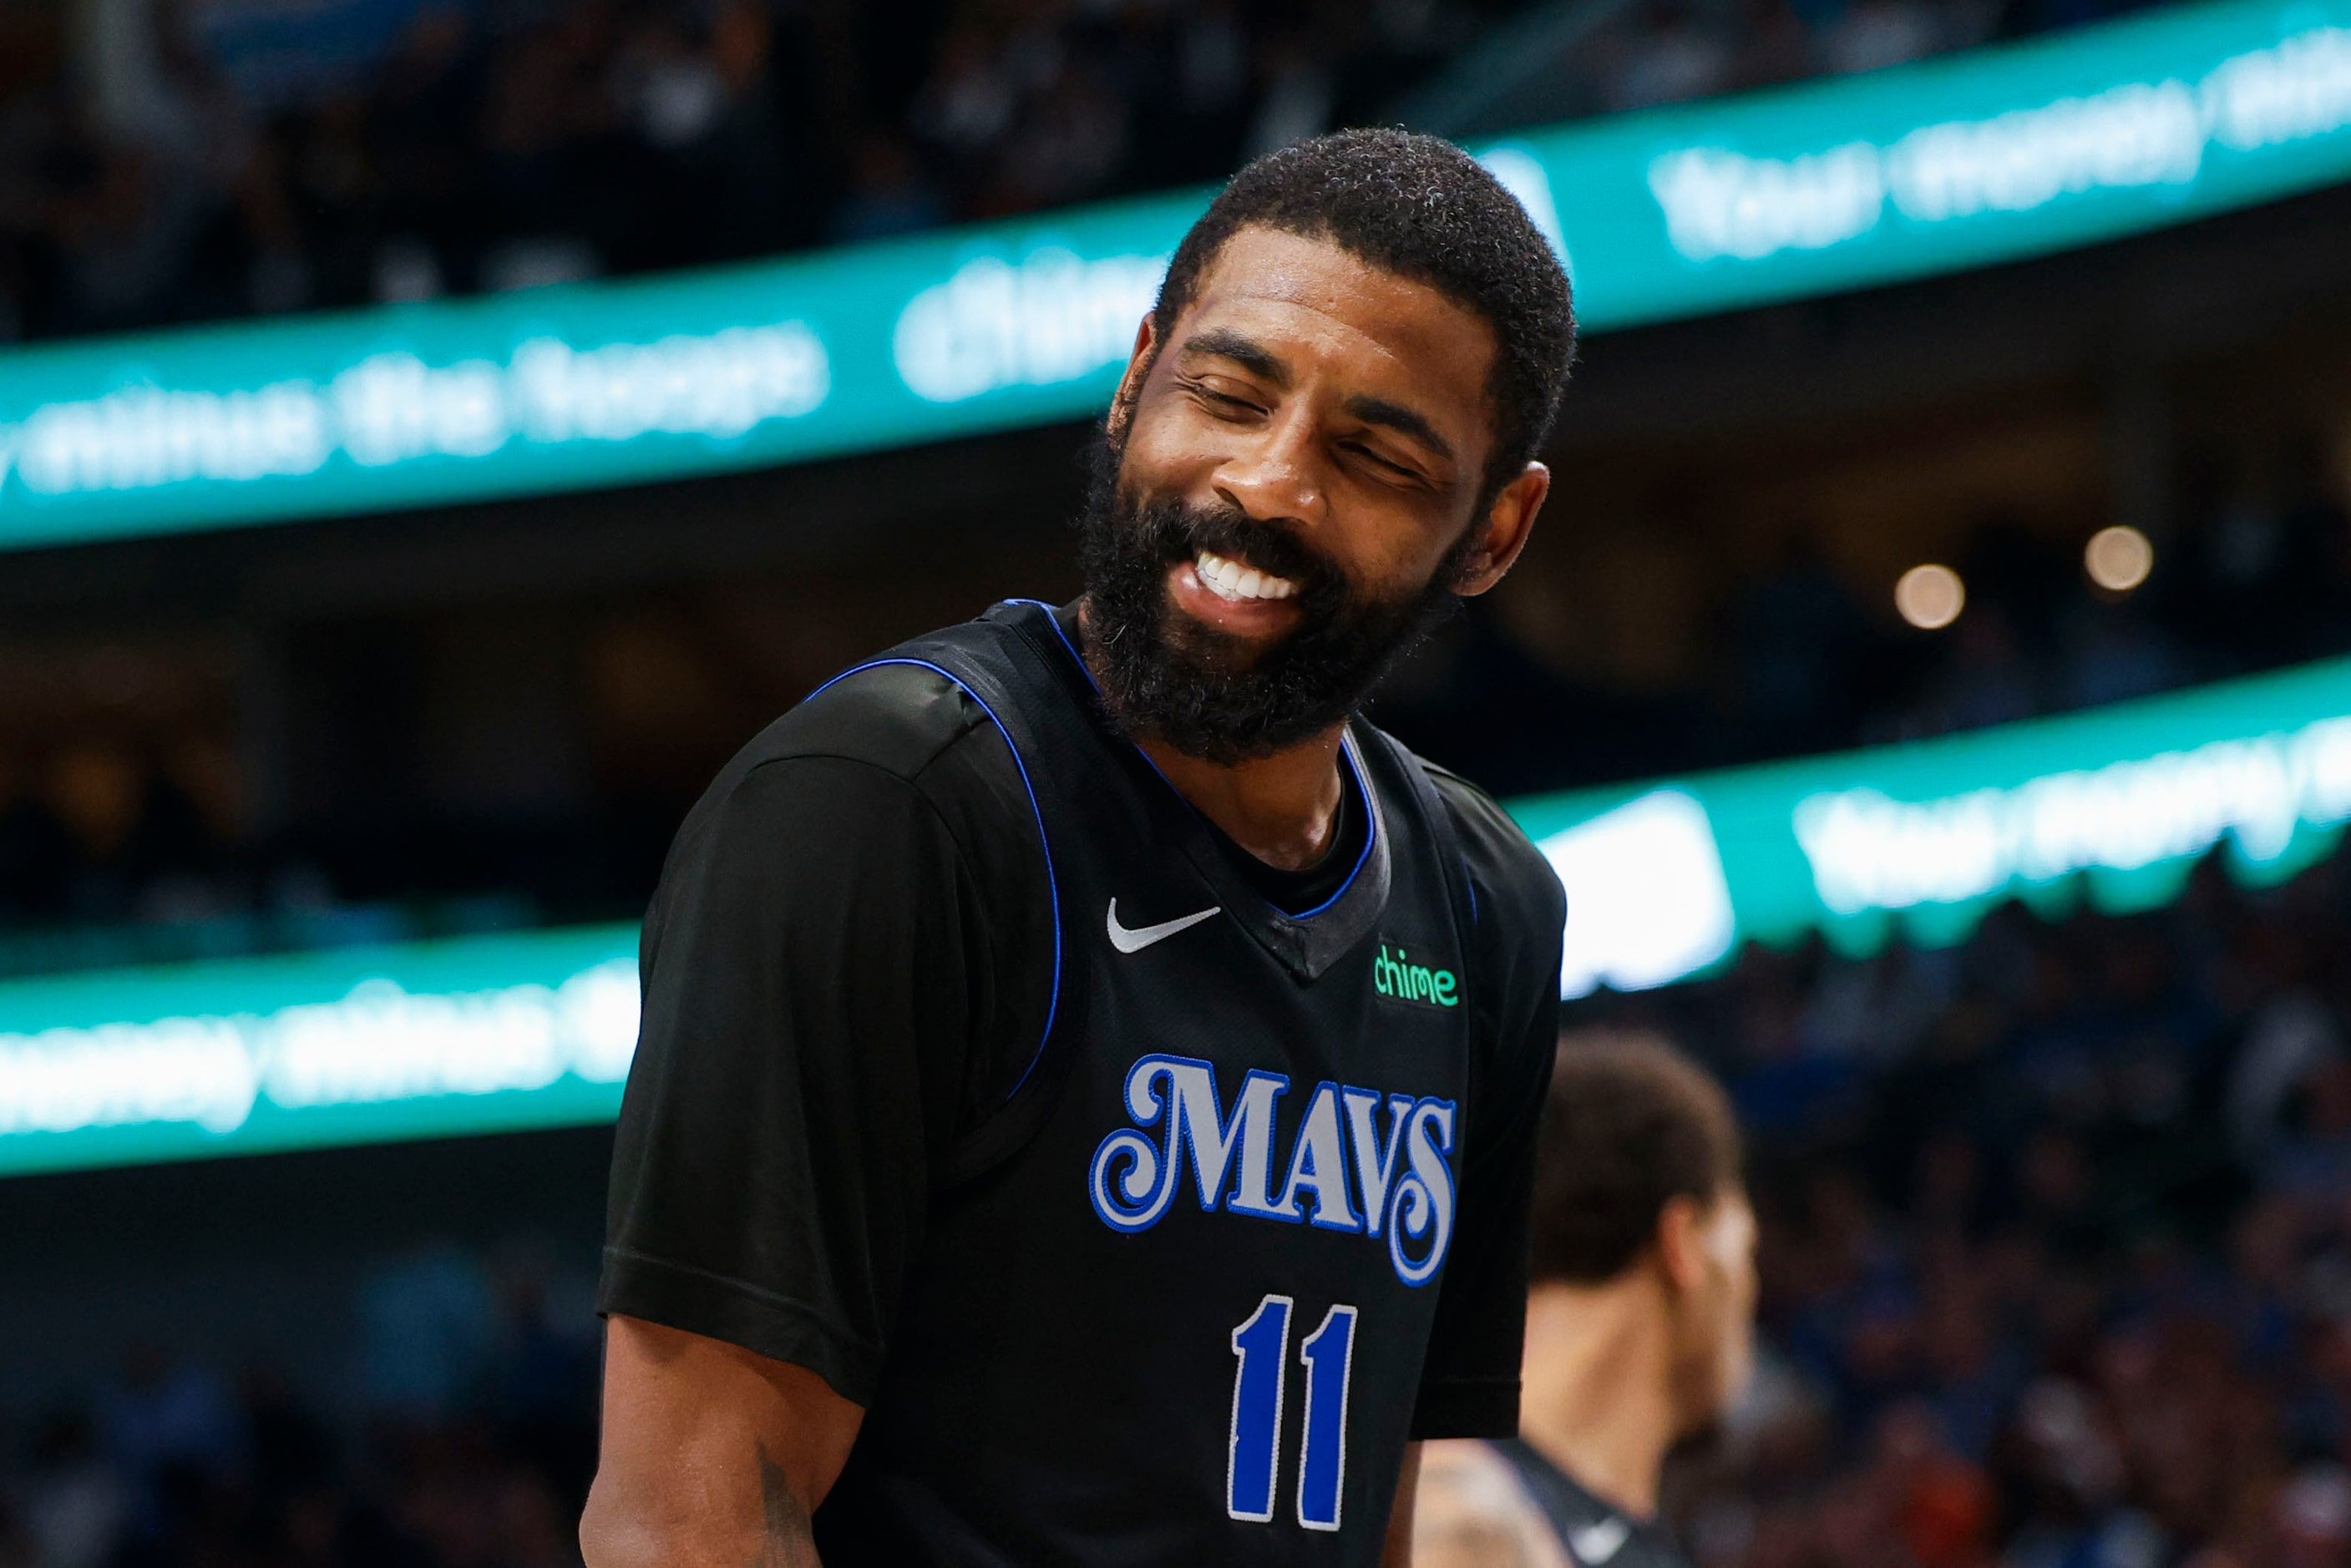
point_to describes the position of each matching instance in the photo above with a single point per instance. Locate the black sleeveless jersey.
(1175, 1309)
(1595, 1533)
(1251, 1214)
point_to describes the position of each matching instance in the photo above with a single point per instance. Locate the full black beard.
(1197, 690)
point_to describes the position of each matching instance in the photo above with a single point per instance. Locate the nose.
(1276, 475)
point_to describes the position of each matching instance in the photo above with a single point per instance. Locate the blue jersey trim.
(1052, 883)
(1371, 828)
(1346, 747)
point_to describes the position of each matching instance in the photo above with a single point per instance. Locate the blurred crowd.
(1628, 56)
(2253, 573)
(167, 160)
(2056, 1261)
(2057, 1242)
(115, 853)
(461, 1435)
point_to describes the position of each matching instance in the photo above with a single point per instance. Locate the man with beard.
(1086, 1096)
(1640, 1328)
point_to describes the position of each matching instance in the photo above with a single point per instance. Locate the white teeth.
(1231, 580)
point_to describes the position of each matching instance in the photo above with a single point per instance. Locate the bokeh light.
(2118, 558)
(1930, 597)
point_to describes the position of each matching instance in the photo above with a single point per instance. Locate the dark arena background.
(434, 434)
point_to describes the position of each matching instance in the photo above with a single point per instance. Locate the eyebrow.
(1396, 417)
(1222, 343)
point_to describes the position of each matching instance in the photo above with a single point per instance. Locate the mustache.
(1175, 531)
(1186, 683)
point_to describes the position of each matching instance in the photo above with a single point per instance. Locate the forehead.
(1385, 334)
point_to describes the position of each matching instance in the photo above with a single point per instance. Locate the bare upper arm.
(1396, 1551)
(1469, 1512)
(710, 1453)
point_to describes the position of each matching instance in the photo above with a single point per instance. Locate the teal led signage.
(1665, 881)
(242, 1056)
(1988, 156)
(2112, 807)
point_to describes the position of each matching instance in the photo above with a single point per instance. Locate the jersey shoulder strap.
(1011, 664)
(1596, 1533)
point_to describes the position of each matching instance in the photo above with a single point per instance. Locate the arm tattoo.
(787, 1542)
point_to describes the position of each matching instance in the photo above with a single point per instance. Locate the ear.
(1507, 526)
(1682, 1244)
(1130, 385)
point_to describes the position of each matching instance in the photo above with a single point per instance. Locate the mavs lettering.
(1342, 1174)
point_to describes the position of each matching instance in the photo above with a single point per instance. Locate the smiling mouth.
(1236, 583)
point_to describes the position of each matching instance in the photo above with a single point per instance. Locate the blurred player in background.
(1640, 1322)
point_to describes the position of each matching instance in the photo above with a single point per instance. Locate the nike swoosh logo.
(1133, 940)
(1596, 1544)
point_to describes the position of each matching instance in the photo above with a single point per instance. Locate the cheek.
(1371, 578)
(1150, 460)
(1392, 554)
(1170, 448)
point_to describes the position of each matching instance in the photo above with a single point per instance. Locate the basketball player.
(1639, 1329)
(1086, 1099)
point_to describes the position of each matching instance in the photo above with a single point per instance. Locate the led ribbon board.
(1988, 156)
(2114, 806)
(479, 1034)
(1664, 881)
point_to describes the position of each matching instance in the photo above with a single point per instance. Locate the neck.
(1283, 808)
(1598, 1382)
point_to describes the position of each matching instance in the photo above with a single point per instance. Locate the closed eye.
(1387, 464)
(1223, 402)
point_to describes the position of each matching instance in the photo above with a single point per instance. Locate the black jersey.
(1595, 1533)
(1243, 1216)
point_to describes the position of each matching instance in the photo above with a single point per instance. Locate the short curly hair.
(1421, 208)
(1630, 1125)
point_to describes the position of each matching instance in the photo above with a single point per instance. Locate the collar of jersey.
(1306, 944)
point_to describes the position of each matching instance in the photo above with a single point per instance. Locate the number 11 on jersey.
(1262, 1345)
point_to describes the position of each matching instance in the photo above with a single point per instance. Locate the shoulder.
(1512, 882)
(1594, 1529)
(901, 718)
(1471, 1507)
(878, 734)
